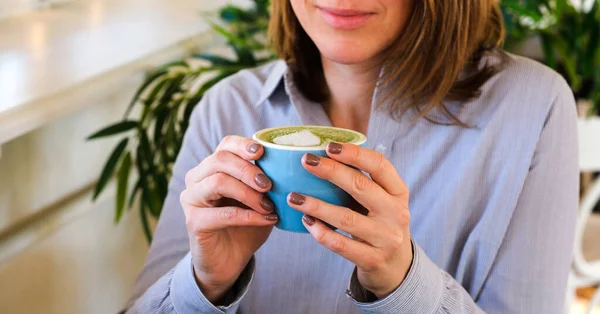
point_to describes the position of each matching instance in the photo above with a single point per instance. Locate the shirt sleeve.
(166, 283)
(530, 272)
(177, 292)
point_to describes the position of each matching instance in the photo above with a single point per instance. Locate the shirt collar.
(272, 82)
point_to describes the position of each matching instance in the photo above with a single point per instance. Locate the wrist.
(213, 292)
(403, 267)
(422, 291)
(385, 291)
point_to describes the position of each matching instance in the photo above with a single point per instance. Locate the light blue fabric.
(493, 206)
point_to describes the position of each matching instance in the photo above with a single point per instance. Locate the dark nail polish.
(309, 220)
(267, 204)
(334, 148)
(297, 199)
(262, 181)
(272, 217)
(253, 148)
(312, 160)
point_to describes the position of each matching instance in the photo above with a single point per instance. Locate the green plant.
(569, 31)
(522, 18)
(165, 100)
(575, 48)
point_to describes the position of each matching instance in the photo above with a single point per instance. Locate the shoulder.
(246, 85)
(530, 81)
(525, 91)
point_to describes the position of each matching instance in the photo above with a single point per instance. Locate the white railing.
(585, 272)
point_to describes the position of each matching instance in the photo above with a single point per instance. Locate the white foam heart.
(303, 139)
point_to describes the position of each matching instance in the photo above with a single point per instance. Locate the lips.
(345, 19)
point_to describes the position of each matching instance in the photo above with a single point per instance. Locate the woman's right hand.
(228, 216)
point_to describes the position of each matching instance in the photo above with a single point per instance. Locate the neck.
(351, 89)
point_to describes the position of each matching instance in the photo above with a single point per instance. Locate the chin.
(345, 54)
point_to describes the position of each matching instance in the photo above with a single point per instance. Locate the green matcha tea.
(309, 136)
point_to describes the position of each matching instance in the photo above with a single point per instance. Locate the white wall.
(42, 167)
(87, 266)
(60, 253)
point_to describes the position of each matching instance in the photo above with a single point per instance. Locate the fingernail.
(309, 220)
(297, 199)
(272, 217)
(312, 160)
(253, 148)
(334, 148)
(262, 180)
(267, 204)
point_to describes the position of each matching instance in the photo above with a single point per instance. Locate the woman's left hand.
(381, 247)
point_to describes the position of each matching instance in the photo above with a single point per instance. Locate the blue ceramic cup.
(282, 164)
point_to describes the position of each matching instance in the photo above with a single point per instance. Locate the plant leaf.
(145, 224)
(152, 200)
(156, 90)
(548, 49)
(146, 150)
(157, 73)
(141, 89)
(569, 61)
(160, 116)
(134, 192)
(214, 59)
(113, 129)
(150, 195)
(262, 7)
(167, 66)
(194, 100)
(173, 87)
(234, 14)
(245, 56)
(171, 133)
(109, 167)
(163, 186)
(233, 39)
(122, 184)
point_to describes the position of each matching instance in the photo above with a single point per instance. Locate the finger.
(227, 162)
(362, 188)
(210, 219)
(373, 162)
(246, 148)
(361, 254)
(206, 192)
(337, 216)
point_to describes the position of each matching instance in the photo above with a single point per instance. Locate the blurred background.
(94, 101)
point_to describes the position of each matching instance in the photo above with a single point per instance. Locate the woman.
(485, 142)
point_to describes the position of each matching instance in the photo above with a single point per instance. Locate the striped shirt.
(493, 206)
